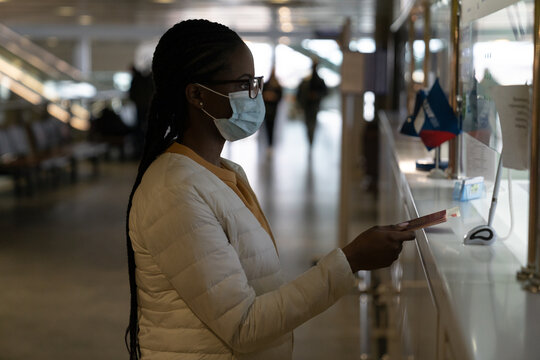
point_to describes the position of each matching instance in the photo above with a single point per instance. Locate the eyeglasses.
(253, 84)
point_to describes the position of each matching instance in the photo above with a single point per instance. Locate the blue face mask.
(247, 117)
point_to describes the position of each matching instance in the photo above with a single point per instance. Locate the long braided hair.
(189, 52)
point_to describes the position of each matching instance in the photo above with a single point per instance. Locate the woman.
(204, 271)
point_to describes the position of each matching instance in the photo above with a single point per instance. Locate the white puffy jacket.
(208, 275)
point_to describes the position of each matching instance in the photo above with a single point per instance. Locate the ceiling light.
(3, 1)
(80, 112)
(20, 90)
(65, 10)
(79, 124)
(85, 20)
(285, 40)
(58, 112)
(284, 19)
(163, 1)
(279, 1)
(284, 11)
(287, 27)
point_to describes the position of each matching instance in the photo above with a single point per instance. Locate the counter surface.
(474, 287)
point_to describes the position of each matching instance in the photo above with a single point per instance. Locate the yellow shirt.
(230, 178)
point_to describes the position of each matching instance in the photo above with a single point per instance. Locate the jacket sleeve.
(193, 252)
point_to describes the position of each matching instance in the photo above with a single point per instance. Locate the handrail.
(396, 25)
(22, 80)
(36, 56)
(455, 145)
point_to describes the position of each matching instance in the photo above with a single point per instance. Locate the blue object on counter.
(469, 189)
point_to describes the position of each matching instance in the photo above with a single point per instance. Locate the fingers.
(399, 227)
(401, 236)
(402, 225)
(388, 228)
(391, 256)
(395, 248)
(396, 232)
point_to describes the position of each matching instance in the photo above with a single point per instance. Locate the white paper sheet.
(475, 9)
(512, 103)
(481, 160)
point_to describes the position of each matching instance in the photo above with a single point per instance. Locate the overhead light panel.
(163, 1)
(80, 112)
(79, 124)
(58, 112)
(20, 90)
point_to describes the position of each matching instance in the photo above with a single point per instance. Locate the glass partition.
(496, 50)
(439, 44)
(495, 84)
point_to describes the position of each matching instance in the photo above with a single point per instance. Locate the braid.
(191, 51)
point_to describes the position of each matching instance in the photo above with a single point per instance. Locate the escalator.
(39, 77)
(323, 61)
(37, 153)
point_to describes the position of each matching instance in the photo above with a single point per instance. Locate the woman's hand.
(377, 247)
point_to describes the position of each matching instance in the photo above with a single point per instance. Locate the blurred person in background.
(272, 93)
(204, 270)
(309, 96)
(140, 92)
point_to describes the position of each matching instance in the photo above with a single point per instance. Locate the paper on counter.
(512, 103)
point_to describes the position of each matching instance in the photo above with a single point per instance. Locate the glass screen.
(496, 49)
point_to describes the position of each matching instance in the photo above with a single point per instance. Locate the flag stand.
(437, 172)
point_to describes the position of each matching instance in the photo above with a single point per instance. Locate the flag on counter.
(409, 128)
(440, 124)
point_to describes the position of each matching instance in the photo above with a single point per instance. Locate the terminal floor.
(63, 277)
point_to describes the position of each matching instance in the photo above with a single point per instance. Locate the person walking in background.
(272, 92)
(309, 96)
(140, 92)
(204, 270)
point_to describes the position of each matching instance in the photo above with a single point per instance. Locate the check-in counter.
(455, 301)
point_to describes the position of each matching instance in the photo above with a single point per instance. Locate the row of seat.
(42, 150)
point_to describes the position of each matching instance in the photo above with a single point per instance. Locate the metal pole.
(410, 88)
(454, 156)
(348, 110)
(427, 38)
(531, 271)
(534, 244)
